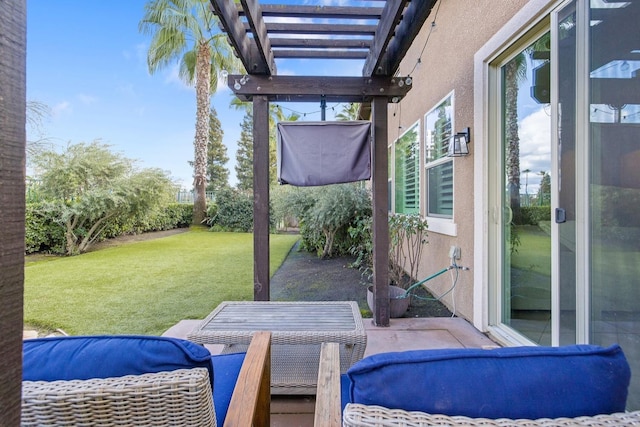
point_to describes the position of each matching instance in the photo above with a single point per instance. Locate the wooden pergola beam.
(320, 54)
(321, 29)
(253, 13)
(245, 47)
(414, 16)
(315, 12)
(311, 88)
(391, 15)
(300, 43)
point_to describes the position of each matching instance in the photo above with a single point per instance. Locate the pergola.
(381, 36)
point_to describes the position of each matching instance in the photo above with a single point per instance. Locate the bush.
(175, 215)
(42, 232)
(232, 211)
(532, 215)
(325, 215)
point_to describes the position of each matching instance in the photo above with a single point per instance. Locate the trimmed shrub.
(325, 215)
(532, 215)
(45, 234)
(42, 232)
(233, 211)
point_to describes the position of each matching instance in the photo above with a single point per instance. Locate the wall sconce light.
(459, 144)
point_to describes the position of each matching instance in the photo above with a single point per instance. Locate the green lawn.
(144, 287)
(534, 252)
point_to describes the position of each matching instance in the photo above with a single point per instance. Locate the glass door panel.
(526, 223)
(565, 215)
(614, 180)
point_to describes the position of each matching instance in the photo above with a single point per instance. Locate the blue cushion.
(79, 358)
(515, 382)
(345, 387)
(227, 368)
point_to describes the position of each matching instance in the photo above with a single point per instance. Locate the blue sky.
(86, 60)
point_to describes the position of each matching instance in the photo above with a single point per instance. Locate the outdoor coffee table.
(297, 328)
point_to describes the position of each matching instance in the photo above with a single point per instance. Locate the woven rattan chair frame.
(356, 415)
(182, 397)
(173, 398)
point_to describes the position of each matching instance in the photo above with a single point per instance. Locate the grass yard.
(144, 287)
(534, 252)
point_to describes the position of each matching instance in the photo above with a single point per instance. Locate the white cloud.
(535, 144)
(87, 99)
(61, 108)
(127, 89)
(172, 77)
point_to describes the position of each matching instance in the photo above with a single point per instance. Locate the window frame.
(417, 143)
(442, 224)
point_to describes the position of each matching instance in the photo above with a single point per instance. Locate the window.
(439, 167)
(407, 172)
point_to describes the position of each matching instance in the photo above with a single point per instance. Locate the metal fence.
(187, 196)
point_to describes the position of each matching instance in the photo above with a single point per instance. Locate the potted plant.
(407, 236)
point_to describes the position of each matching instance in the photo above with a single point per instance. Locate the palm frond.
(188, 67)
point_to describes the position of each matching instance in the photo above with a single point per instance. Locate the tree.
(349, 112)
(184, 30)
(515, 73)
(244, 155)
(37, 112)
(87, 185)
(544, 191)
(217, 173)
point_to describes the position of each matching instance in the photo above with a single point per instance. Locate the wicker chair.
(329, 412)
(181, 397)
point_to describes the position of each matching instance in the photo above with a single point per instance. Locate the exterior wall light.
(459, 144)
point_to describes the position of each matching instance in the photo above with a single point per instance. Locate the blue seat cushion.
(85, 357)
(227, 368)
(515, 382)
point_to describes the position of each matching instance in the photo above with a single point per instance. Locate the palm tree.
(186, 31)
(515, 72)
(349, 112)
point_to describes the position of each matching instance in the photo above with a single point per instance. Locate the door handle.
(561, 216)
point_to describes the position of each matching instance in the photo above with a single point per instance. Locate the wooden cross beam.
(387, 52)
(254, 52)
(312, 88)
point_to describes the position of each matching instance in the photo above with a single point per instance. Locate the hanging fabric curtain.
(321, 153)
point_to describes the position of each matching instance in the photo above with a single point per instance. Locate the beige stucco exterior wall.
(461, 28)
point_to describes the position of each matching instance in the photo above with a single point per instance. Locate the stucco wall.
(461, 28)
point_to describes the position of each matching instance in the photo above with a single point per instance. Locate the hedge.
(45, 234)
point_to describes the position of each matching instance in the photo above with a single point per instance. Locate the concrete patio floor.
(402, 334)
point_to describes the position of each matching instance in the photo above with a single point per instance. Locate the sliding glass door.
(564, 181)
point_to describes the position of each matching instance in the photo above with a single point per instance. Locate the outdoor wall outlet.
(454, 252)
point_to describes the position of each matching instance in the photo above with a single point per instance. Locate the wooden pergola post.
(380, 212)
(260, 198)
(12, 205)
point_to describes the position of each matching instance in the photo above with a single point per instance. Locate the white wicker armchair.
(181, 397)
(328, 409)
